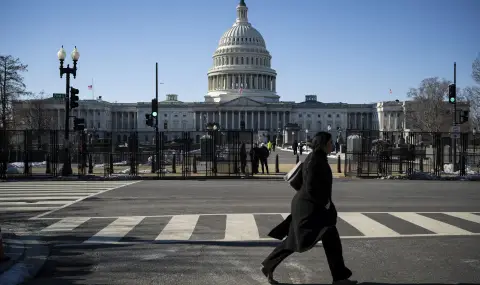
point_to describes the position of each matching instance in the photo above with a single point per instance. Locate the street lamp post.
(61, 54)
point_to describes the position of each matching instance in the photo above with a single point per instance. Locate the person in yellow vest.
(269, 146)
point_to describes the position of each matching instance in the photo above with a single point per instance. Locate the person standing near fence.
(243, 158)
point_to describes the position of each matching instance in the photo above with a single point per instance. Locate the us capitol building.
(241, 87)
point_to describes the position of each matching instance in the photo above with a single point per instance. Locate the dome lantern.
(242, 12)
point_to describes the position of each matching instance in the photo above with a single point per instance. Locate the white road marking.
(430, 224)
(66, 224)
(23, 203)
(81, 199)
(179, 228)
(465, 216)
(241, 227)
(25, 209)
(366, 225)
(66, 199)
(116, 230)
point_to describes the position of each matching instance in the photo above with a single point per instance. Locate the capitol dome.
(241, 64)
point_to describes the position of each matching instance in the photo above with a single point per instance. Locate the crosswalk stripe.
(466, 216)
(47, 194)
(66, 224)
(430, 224)
(244, 227)
(23, 203)
(116, 230)
(25, 209)
(179, 228)
(366, 225)
(241, 227)
(48, 197)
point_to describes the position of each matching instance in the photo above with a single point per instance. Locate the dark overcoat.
(309, 218)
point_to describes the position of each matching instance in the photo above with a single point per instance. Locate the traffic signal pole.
(157, 136)
(455, 117)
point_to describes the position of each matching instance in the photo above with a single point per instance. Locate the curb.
(26, 266)
(14, 249)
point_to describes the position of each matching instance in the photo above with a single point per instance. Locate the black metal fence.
(371, 153)
(178, 154)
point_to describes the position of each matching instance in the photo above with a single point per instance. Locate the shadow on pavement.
(68, 266)
(380, 283)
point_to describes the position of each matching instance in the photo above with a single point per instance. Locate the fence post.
(339, 164)
(277, 166)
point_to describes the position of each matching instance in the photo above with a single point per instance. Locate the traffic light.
(74, 97)
(78, 124)
(154, 107)
(464, 116)
(452, 94)
(149, 120)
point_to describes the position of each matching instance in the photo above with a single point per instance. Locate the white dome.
(242, 34)
(241, 64)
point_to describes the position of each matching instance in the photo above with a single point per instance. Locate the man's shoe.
(269, 276)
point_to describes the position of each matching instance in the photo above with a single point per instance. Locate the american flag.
(90, 87)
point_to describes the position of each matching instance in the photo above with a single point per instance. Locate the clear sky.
(343, 51)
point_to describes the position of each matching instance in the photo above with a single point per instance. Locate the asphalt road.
(175, 232)
(247, 196)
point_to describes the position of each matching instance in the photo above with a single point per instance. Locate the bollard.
(111, 163)
(153, 163)
(277, 166)
(48, 169)
(3, 257)
(339, 165)
(174, 166)
(90, 164)
(297, 160)
(194, 164)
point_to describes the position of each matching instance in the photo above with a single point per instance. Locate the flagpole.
(93, 92)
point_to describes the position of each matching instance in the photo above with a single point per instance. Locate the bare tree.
(12, 87)
(472, 93)
(428, 111)
(33, 113)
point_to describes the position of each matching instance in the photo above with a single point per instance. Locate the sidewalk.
(27, 257)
